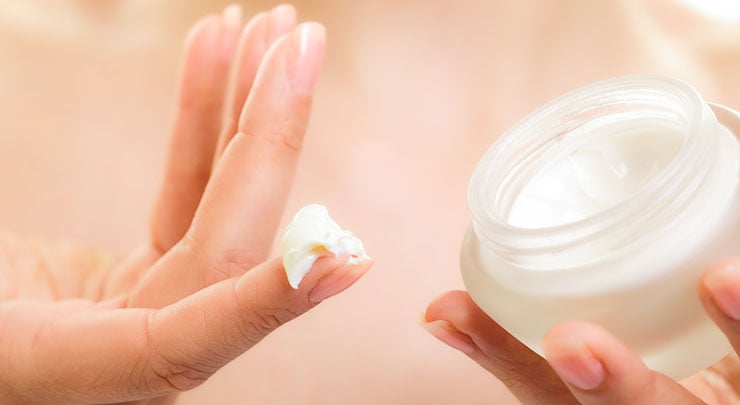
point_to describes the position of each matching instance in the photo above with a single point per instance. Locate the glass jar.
(605, 206)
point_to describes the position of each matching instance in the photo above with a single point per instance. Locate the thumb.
(201, 333)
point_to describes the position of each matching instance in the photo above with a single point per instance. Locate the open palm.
(80, 326)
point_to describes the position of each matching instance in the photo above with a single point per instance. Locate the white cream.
(594, 176)
(313, 234)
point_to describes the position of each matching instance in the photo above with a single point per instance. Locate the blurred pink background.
(412, 94)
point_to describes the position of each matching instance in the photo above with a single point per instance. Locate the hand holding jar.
(592, 221)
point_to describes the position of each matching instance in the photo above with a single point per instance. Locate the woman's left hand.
(79, 326)
(584, 363)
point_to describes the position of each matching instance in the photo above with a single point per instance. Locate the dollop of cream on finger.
(313, 234)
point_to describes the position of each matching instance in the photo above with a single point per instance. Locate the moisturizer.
(313, 234)
(578, 181)
(605, 206)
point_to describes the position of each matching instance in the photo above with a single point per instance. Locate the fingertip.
(200, 64)
(282, 87)
(231, 19)
(306, 56)
(442, 316)
(337, 281)
(458, 308)
(617, 357)
(570, 355)
(282, 20)
(446, 333)
(285, 9)
(721, 283)
(232, 16)
(205, 29)
(457, 321)
(719, 270)
(446, 303)
(579, 347)
(598, 368)
(329, 275)
(258, 23)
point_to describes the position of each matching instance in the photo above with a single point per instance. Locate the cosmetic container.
(605, 206)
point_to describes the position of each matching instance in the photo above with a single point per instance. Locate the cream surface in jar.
(605, 206)
(580, 181)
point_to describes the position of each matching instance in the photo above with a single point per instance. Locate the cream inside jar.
(581, 180)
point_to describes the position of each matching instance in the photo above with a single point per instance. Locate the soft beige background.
(412, 94)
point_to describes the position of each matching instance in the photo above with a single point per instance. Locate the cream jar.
(605, 206)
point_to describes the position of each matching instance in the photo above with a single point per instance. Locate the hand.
(584, 363)
(78, 326)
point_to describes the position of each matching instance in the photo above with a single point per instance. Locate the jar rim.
(513, 240)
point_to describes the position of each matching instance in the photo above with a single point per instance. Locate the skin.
(583, 363)
(436, 81)
(81, 327)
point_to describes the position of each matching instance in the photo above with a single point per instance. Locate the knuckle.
(217, 265)
(232, 262)
(260, 324)
(285, 138)
(719, 377)
(279, 139)
(166, 374)
(172, 377)
(262, 319)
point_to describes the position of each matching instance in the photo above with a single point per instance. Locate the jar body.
(656, 313)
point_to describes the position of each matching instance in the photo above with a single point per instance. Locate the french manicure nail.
(336, 282)
(574, 363)
(232, 18)
(449, 335)
(282, 20)
(724, 285)
(308, 52)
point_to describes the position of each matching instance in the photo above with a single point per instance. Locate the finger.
(457, 321)
(235, 224)
(217, 324)
(256, 38)
(719, 291)
(599, 369)
(104, 356)
(244, 203)
(208, 52)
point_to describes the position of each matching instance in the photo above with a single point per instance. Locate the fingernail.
(232, 16)
(308, 52)
(282, 20)
(724, 285)
(337, 281)
(449, 335)
(206, 29)
(232, 19)
(574, 363)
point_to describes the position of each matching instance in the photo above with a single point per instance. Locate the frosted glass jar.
(606, 205)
